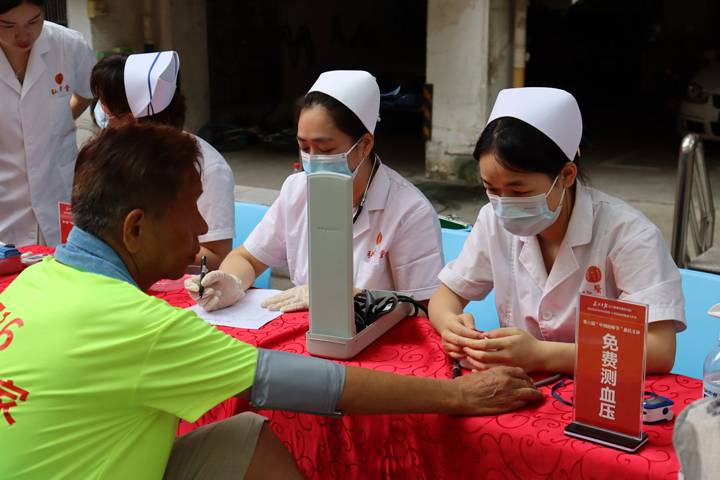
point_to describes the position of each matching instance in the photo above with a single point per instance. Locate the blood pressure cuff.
(296, 383)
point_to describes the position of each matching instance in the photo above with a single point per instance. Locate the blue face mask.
(101, 118)
(525, 216)
(336, 163)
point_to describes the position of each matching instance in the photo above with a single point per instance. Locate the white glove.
(220, 290)
(293, 300)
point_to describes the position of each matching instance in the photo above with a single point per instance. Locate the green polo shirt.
(94, 375)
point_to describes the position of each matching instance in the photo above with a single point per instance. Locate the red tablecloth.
(525, 444)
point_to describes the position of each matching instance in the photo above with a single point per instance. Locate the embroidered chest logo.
(60, 87)
(373, 252)
(594, 275)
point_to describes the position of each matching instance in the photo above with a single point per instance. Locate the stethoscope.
(367, 186)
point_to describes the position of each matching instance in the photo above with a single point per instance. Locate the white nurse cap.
(150, 80)
(552, 111)
(355, 89)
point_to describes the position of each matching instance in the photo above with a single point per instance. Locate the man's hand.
(497, 390)
(293, 300)
(220, 290)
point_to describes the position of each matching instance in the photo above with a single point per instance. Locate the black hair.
(107, 84)
(519, 147)
(346, 121)
(7, 5)
(132, 166)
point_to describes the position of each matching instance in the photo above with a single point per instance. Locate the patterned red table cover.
(524, 444)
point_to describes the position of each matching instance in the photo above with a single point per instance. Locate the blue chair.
(702, 291)
(247, 216)
(484, 311)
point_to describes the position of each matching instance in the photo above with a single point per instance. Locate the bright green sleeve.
(192, 366)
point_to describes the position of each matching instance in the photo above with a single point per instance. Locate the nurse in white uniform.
(44, 86)
(396, 232)
(544, 238)
(142, 88)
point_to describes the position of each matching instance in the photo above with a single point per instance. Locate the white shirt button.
(32, 171)
(31, 234)
(547, 315)
(24, 104)
(31, 139)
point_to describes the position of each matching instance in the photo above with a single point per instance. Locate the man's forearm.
(371, 392)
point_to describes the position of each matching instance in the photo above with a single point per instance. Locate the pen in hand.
(203, 271)
(456, 369)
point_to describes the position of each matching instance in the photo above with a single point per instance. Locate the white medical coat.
(396, 239)
(610, 250)
(37, 134)
(217, 202)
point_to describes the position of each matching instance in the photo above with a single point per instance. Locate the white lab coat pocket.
(373, 276)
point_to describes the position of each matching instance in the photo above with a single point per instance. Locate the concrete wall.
(500, 49)
(181, 25)
(457, 67)
(469, 60)
(78, 19)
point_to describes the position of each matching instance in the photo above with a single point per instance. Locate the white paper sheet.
(247, 313)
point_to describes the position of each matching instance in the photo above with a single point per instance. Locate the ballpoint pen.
(203, 271)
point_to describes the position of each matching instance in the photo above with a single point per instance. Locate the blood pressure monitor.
(656, 409)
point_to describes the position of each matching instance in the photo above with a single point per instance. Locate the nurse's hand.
(294, 300)
(220, 290)
(458, 332)
(506, 346)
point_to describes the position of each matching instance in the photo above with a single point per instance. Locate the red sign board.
(66, 221)
(610, 364)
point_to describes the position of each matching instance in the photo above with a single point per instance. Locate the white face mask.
(336, 163)
(525, 216)
(101, 117)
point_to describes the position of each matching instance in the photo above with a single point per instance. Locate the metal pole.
(519, 39)
(682, 199)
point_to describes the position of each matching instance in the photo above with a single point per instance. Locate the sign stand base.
(607, 438)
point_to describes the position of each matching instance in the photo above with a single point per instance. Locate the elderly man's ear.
(134, 230)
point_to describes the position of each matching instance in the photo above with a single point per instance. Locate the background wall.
(457, 67)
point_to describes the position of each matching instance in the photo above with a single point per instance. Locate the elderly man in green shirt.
(95, 373)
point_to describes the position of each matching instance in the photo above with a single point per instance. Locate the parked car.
(700, 107)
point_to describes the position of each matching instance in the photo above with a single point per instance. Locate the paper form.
(246, 313)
